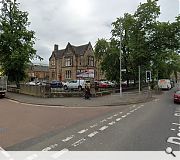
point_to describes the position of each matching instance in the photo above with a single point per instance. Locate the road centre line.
(94, 125)
(68, 138)
(50, 147)
(83, 131)
(118, 119)
(103, 128)
(111, 123)
(77, 143)
(59, 153)
(93, 134)
(104, 120)
(115, 115)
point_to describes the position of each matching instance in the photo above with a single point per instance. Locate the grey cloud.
(58, 21)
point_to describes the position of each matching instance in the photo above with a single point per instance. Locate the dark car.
(177, 97)
(56, 84)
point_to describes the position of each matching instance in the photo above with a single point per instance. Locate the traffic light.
(148, 76)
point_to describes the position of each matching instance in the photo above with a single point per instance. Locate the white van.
(76, 84)
(164, 84)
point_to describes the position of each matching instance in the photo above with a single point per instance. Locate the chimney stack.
(55, 47)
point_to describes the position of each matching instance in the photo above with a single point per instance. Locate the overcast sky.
(80, 21)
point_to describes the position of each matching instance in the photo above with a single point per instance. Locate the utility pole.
(120, 55)
(139, 78)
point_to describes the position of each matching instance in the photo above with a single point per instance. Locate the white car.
(75, 84)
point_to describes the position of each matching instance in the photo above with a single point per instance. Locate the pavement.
(108, 100)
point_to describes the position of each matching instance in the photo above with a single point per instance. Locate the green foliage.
(146, 42)
(16, 41)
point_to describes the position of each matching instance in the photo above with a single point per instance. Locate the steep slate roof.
(40, 68)
(78, 50)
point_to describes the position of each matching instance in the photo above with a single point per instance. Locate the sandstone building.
(66, 63)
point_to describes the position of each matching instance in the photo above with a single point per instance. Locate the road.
(150, 126)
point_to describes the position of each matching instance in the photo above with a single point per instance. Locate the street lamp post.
(120, 55)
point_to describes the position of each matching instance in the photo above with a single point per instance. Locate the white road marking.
(128, 114)
(177, 114)
(179, 127)
(120, 112)
(132, 111)
(79, 142)
(103, 128)
(93, 134)
(115, 115)
(118, 119)
(172, 129)
(104, 120)
(178, 124)
(178, 134)
(110, 117)
(94, 125)
(68, 138)
(123, 116)
(133, 106)
(83, 131)
(173, 140)
(50, 147)
(111, 123)
(60, 153)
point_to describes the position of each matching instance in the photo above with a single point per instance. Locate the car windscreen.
(177, 92)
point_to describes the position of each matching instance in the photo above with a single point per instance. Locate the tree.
(16, 41)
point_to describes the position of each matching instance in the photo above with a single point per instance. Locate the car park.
(177, 96)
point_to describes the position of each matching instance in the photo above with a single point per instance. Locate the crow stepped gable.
(64, 64)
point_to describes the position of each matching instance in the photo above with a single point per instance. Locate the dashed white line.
(68, 138)
(123, 116)
(115, 115)
(172, 129)
(93, 134)
(94, 125)
(118, 119)
(132, 111)
(83, 131)
(60, 153)
(120, 112)
(128, 114)
(50, 147)
(77, 143)
(111, 123)
(178, 134)
(103, 128)
(104, 120)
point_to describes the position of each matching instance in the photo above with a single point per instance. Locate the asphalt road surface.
(150, 126)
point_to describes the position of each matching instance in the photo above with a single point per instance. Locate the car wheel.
(80, 88)
(65, 87)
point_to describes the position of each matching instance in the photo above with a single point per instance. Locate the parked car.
(32, 83)
(177, 96)
(75, 84)
(56, 84)
(102, 84)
